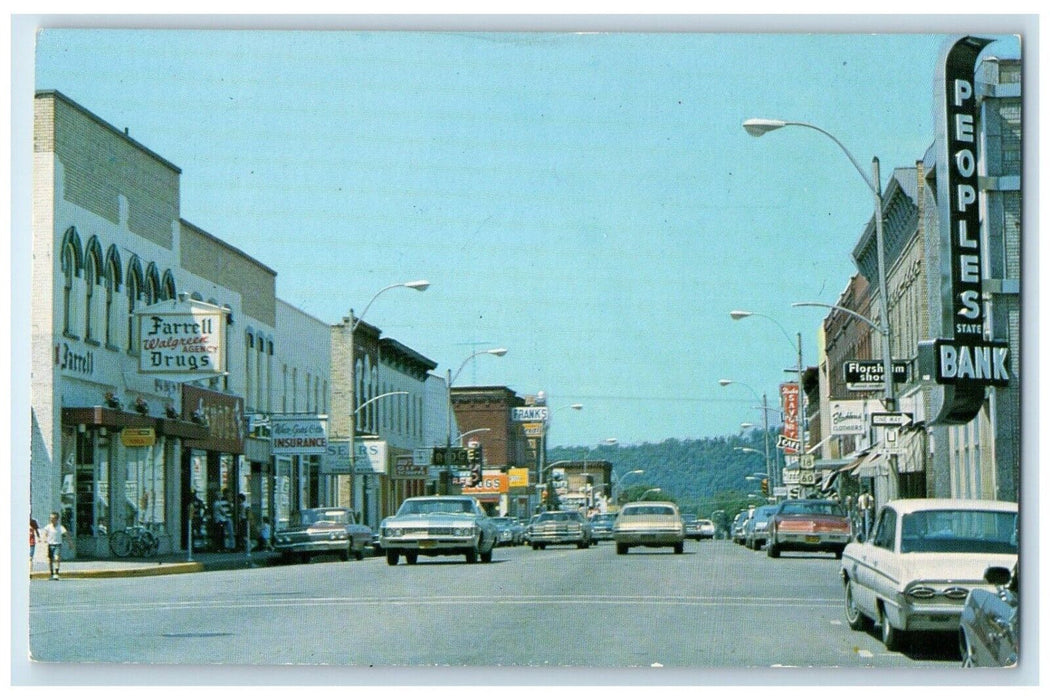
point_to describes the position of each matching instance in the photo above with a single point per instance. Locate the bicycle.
(136, 541)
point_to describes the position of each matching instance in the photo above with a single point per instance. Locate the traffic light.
(765, 487)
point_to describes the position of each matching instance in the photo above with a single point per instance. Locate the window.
(134, 287)
(112, 287)
(69, 271)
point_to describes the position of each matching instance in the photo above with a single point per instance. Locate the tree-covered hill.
(701, 475)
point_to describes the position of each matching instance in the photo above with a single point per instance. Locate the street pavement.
(159, 565)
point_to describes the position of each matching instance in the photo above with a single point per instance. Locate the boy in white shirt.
(53, 533)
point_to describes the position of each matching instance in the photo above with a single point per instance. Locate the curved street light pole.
(497, 352)
(801, 418)
(758, 127)
(765, 425)
(419, 286)
(618, 479)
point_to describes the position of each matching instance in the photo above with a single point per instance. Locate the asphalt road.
(718, 606)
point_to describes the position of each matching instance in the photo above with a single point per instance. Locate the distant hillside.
(701, 475)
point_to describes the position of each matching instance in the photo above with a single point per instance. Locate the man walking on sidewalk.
(53, 533)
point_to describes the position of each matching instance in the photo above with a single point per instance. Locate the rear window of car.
(968, 531)
(811, 508)
(649, 510)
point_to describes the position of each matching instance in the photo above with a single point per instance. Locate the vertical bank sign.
(965, 363)
(187, 339)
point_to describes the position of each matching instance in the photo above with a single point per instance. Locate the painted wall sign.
(73, 361)
(222, 413)
(847, 417)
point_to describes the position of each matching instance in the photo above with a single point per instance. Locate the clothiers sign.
(298, 435)
(182, 338)
(965, 361)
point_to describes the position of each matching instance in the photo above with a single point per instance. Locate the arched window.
(71, 261)
(92, 276)
(152, 285)
(133, 285)
(167, 286)
(112, 282)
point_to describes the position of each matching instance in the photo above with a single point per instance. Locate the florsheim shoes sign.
(963, 360)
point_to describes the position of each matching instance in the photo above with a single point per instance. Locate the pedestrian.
(243, 514)
(265, 535)
(866, 505)
(54, 531)
(34, 533)
(223, 519)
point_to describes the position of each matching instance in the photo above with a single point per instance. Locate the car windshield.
(968, 531)
(649, 510)
(556, 517)
(455, 506)
(311, 517)
(811, 508)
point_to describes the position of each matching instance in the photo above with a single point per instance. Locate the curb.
(156, 570)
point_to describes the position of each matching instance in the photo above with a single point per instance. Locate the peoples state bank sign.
(965, 362)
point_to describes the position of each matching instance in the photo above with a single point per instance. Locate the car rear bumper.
(649, 539)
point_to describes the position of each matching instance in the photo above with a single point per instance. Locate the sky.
(588, 201)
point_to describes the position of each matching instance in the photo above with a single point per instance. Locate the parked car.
(922, 562)
(989, 623)
(649, 524)
(707, 529)
(313, 531)
(560, 527)
(433, 526)
(756, 531)
(602, 526)
(506, 531)
(739, 523)
(692, 527)
(808, 525)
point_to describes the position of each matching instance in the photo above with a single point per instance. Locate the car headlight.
(463, 531)
(392, 532)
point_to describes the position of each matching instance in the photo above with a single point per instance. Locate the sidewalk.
(160, 565)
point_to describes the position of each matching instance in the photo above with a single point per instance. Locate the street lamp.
(647, 492)
(617, 479)
(801, 418)
(758, 127)
(419, 286)
(459, 438)
(497, 352)
(765, 424)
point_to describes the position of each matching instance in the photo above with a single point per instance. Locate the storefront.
(117, 472)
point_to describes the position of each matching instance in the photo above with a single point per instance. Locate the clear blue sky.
(588, 201)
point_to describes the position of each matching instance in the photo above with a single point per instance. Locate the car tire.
(854, 617)
(679, 548)
(838, 552)
(622, 548)
(344, 555)
(892, 638)
(391, 557)
(486, 557)
(359, 554)
(472, 556)
(535, 547)
(772, 550)
(411, 558)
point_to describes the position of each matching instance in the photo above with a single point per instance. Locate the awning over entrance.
(868, 466)
(828, 483)
(114, 419)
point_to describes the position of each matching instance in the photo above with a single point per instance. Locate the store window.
(143, 502)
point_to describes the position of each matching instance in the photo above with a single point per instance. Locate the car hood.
(428, 520)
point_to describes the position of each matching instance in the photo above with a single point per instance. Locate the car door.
(874, 556)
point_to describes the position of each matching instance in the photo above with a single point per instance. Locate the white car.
(649, 524)
(433, 526)
(922, 560)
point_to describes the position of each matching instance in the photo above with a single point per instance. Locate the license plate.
(426, 544)
(812, 539)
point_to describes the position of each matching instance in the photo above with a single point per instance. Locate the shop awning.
(829, 481)
(868, 466)
(115, 419)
